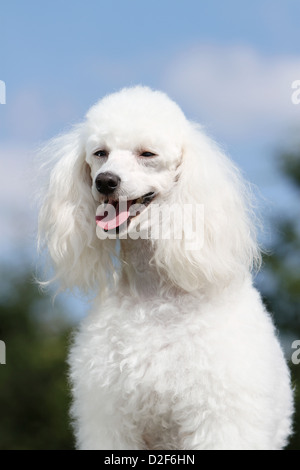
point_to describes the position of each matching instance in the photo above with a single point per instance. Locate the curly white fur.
(178, 352)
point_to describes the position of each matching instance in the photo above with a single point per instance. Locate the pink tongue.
(110, 217)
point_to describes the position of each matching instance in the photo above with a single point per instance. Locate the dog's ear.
(218, 239)
(67, 216)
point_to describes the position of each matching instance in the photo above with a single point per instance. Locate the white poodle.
(179, 351)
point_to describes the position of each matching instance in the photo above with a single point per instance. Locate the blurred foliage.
(281, 286)
(290, 167)
(34, 395)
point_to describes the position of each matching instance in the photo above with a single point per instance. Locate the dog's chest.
(142, 351)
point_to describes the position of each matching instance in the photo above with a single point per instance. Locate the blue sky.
(64, 55)
(229, 64)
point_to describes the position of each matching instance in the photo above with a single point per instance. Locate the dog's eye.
(148, 154)
(101, 153)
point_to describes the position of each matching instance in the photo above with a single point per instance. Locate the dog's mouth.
(114, 213)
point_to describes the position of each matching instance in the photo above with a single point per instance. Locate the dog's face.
(150, 169)
(133, 151)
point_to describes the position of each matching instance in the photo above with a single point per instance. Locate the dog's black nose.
(107, 182)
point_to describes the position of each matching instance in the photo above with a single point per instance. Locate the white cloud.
(28, 119)
(17, 213)
(27, 115)
(235, 90)
(30, 115)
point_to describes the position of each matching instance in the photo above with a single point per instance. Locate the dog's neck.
(139, 276)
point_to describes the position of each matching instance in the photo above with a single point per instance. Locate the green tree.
(34, 396)
(281, 284)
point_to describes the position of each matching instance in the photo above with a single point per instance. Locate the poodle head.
(133, 150)
(143, 170)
